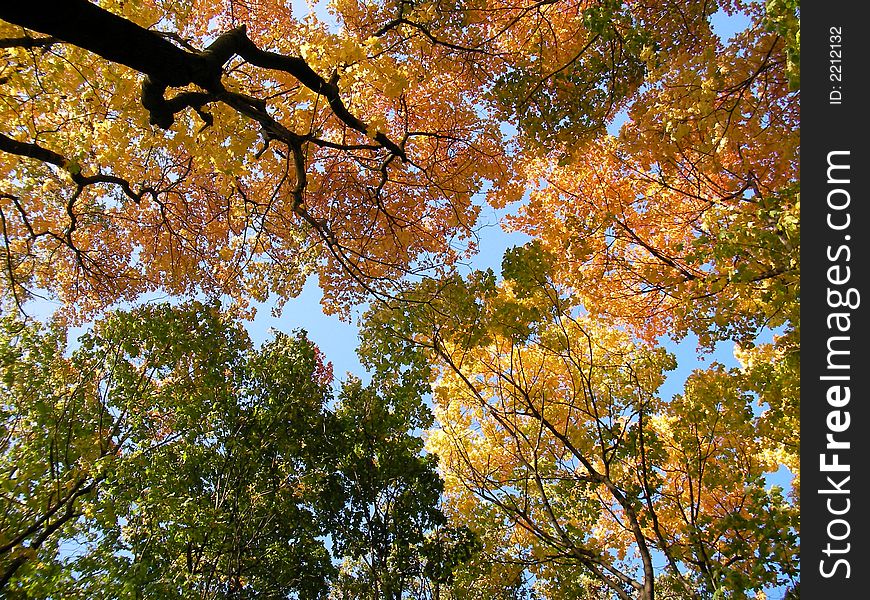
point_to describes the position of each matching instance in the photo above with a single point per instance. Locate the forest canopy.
(511, 438)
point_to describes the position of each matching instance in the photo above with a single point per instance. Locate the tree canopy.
(221, 152)
(554, 440)
(176, 460)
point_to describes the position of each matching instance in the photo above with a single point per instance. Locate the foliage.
(236, 149)
(688, 220)
(263, 148)
(218, 148)
(784, 17)
(555, 445)
(177, 461)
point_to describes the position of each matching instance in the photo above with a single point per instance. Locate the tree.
(553, 441)
(391, 528)
(180, 462)
(69, 422)
(688, 221)
(49, 444)
(226, 151)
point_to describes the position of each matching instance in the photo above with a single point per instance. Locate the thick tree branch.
(237, 41)
(28, 42)
(116, 39)
(165, 65)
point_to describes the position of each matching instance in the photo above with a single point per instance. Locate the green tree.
(181, 462)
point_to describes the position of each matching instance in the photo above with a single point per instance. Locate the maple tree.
(688, 220)
(552, 438)
(226, 152)
(554, 442)
(178, 461)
